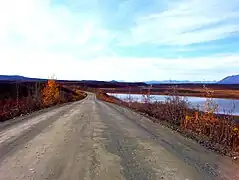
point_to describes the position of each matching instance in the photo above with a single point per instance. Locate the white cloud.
(66, 66)
(37, 25)
(38, 40)
(187, 22)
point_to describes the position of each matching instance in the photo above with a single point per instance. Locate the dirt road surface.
(94, 140)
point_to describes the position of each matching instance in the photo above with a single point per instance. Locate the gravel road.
(91, 139)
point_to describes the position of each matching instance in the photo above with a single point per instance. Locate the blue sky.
(122, 40)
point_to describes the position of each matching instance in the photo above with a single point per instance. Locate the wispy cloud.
(187, 22)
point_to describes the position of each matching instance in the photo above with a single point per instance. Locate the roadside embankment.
(219, 133)
(30, 98)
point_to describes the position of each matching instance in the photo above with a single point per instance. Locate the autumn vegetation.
(217, 132)
(30, 98)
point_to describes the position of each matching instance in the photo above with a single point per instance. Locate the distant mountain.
(230, 80)
(17, 78)
(113, 81)
(165, 82)
(177, 82)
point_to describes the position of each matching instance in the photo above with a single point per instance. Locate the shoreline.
(200, 95)
(190, 108)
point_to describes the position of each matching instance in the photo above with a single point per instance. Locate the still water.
(224, 105)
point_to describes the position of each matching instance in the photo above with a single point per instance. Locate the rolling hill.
(230, 80)
(18, 78)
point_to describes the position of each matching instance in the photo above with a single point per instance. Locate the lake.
(224, 105)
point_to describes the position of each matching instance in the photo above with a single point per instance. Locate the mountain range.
(178, 82)
(227, 80)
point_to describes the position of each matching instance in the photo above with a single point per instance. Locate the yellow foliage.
(187, 118)
(51, 93)
(79, 92)
(235, 129)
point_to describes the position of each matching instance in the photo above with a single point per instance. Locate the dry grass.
(220, 130)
